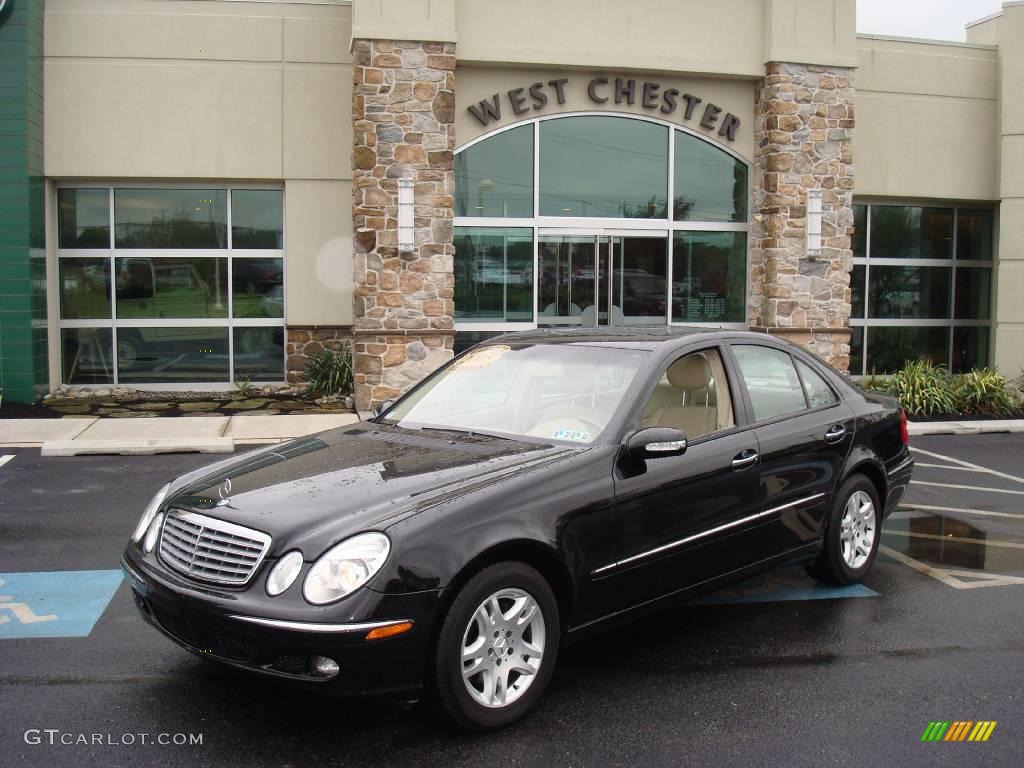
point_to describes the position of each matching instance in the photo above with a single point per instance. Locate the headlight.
(153, 533)
(284, 573)
(345, 568)
(147, 516)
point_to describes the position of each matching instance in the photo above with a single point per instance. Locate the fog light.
(153, 532)
(324, 666)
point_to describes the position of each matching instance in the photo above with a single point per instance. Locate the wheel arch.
(539, 556)
(872, 469)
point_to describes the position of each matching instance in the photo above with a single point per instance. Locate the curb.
(995, 426)
(138, 447)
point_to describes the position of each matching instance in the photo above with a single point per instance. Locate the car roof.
(649, 337)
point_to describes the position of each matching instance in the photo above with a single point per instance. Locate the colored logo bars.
(958, 730)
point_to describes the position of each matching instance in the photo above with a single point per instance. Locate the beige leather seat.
(694, 410)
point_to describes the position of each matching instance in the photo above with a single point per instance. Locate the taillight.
(904, 433)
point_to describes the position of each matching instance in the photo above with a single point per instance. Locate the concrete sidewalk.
(965, 427)
(204, 434)
(72, 436)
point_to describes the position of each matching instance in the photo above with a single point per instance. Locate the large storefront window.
(566, 221)
(921, 286)
(171, 286)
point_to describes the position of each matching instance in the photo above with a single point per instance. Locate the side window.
(818, 392)
(771, 381)
(692, 395)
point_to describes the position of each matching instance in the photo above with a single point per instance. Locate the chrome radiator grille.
(211, 550)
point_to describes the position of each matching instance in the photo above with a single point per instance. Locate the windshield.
(550, 391)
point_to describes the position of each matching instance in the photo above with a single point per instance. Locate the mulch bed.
(193, 404)
(11, 409)
(966, 417)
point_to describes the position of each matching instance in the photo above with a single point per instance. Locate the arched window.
(566, 220)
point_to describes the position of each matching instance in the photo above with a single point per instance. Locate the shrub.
(984, 391)
(924, 389)
(245, 386)
(330, 372)
(877, 384)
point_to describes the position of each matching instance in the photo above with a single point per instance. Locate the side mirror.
(655, 442)
(380, 409)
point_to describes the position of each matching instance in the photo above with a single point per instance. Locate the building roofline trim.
(928, 41)
(983, 19)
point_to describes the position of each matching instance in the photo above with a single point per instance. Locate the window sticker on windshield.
(482, 358)
(571, 434)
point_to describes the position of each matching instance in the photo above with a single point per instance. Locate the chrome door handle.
(835, 433)
(745, 459)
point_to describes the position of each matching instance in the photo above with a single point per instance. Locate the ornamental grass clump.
(984, 392)
(329, 373)
(924, 389)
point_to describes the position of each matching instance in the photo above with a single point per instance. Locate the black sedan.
(541, 487)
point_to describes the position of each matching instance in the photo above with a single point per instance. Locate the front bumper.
(250, 632)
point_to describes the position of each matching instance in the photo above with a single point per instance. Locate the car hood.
(314, 491)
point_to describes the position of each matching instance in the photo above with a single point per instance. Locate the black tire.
(449, 687)
(831, 566)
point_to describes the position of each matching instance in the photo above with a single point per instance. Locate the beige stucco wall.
(726, 37)
(215, 91)
(1009, 351)
(476, 83)
(318, 227)
(187, 89)
(927, 117)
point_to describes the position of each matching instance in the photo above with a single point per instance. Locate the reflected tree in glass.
(170, 218)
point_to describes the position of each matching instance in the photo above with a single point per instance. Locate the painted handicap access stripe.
(54, 603)
(781, 586)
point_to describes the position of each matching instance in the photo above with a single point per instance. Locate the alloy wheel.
(503, 647)
(857, 529)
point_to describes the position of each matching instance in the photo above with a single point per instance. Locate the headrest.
(689, 373)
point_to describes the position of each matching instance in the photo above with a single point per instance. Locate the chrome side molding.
(705, 534)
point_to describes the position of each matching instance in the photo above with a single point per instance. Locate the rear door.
(804, 431)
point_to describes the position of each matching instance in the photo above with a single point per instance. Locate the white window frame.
(600, 226)
(229, 253)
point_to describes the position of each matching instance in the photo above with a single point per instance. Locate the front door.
(681, 520)
(592, 278)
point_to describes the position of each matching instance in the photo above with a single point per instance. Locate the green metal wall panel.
(24, 373)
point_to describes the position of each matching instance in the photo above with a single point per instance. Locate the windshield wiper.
(463, 431)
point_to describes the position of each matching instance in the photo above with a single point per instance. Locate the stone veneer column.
(803, 128)
(403, 112)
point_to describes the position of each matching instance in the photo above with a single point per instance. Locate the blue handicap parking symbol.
(54, 603)
(780, 586)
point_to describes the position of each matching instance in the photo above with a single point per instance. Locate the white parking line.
(955, 579)
(949, 466)
(966, 487)
(965, 540)
(7, 457)
(976, 467)
(930, 508)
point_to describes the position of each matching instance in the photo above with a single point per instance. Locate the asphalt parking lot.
(772, 672)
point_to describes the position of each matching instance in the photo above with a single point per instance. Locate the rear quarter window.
(819, 393)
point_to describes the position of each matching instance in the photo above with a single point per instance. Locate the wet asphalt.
(845, 681)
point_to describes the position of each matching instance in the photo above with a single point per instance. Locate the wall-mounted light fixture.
(406, 216)
(813, 227)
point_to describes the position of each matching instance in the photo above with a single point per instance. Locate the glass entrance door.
(602, 278)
